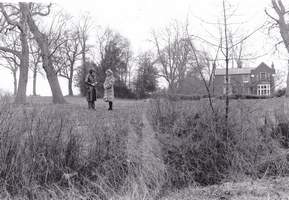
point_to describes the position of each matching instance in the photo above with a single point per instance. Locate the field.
(69, 152)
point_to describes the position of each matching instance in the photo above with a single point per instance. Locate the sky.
(136, 19)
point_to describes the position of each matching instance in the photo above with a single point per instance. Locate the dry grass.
(68, 152)
(196, 152)
(264, 189)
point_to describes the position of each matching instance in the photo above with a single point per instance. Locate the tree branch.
(63, 75)
(15, 52)
(55, 49)
(43, 13)
(9, 21)
(281, 6)
(248, 36)
(269, 15)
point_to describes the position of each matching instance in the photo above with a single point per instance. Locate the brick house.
(250, 81)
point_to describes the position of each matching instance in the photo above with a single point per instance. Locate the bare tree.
(55, 33)
(13, 17)
(173, 51)
(42, 40)
(11, 61)
(35, 58)
(227, 59)
(201, 62)
(129, 73)
(12, 64)
(229, 45)
(84, 27)
(113, 52)
(68, 55)
(281, 21)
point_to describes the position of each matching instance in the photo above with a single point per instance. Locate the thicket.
(197, 151)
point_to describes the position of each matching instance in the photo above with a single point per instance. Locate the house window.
(246, 78)
(263, 90)
(268, 77)
(263, 76)
(229, 79)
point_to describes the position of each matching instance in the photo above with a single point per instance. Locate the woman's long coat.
(108, 88)
(91, 90)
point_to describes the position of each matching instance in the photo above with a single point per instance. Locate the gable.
(262, 67)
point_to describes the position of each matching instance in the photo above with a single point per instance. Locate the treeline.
(116, 55)
(47, 41)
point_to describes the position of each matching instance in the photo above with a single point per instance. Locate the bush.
(245, 96)
(176, 97)
(280, 92)
(122, 91)
(197, 149)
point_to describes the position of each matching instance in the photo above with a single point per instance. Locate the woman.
(90, 82)
(108, 88)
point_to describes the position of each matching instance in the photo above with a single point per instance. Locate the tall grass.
(68, 152)
(196, 150)
(61, 152)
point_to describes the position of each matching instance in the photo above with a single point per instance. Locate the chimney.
(273, 66)
(239, 64)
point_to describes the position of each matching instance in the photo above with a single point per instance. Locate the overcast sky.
(135, 19)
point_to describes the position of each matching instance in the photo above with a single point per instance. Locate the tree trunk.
(129, 72)
(24, 61)
(85, 70)
(172, 87)
(14, 72)
(287, 82)
(70, 79)
(34, 80)
(284, 30)
(42, 41)
(70, 91)
(227, 70)
(84, 53)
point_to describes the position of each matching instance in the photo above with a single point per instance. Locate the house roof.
(262, 65)
(233, 71)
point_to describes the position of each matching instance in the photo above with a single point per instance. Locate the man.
(90, 81)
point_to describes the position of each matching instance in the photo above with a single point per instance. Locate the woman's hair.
(109, 71)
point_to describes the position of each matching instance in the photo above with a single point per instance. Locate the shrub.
(280, 92)
(245, 96)
(122, 91)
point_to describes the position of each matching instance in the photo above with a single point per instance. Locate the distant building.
(251, 81)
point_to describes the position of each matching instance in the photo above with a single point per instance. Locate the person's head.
(108, 72)
(92, 71)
